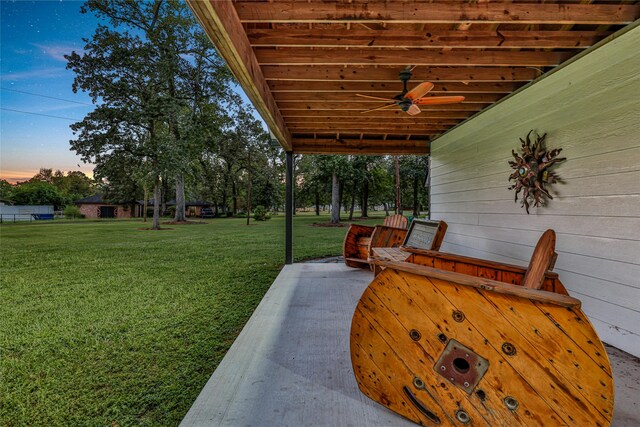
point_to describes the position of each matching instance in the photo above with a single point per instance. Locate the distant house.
(95, 207)
(192, 208)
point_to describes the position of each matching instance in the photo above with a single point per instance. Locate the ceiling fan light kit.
(409, 100)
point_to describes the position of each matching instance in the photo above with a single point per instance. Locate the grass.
(106, 324)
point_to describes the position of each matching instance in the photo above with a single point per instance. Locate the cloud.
(57, 51)
(33, 74)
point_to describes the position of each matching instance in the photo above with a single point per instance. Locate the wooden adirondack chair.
(361, 238)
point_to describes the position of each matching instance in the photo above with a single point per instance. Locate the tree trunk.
(365, 200)
(225, 208)
(386, 208)
(317, 203)
(180, 202)
(155, 225)
(249, 187)
(234, 196)
(353, 205)
(163, 197)
(335, 200)
(144, 204)
(416, 208)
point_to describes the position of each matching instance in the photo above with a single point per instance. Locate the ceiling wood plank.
(361, 106)
(390, 74)
(358, 119)
(382, 114)
(470, 98)
(367, 128)
(359, 146)
(399, 39)
(221, 23)
(413, 12)
(388, 87)
(455, 58)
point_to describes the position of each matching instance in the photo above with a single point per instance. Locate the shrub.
(261, 214)
(72, 211)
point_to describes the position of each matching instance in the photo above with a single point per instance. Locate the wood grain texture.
(387, 87)
(588, 110)
(390, 74)
(564, 383)
(365, 38)
(457, 58)
(220, 22)
(450, 12)
(324, 145)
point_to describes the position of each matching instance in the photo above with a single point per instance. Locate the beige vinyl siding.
(591, 109)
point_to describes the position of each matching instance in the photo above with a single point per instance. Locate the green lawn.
(106, 324)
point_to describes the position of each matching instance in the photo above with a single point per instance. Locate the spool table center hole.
(461, 365)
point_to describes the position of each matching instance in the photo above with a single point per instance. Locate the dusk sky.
(35, 36)
(36, 100)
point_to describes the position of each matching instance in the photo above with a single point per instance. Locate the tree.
(413, 172)
(38, 193)
(6, 191)
(331, 169)
(132, 68)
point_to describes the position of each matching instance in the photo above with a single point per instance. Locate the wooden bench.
(537, 275)
(361, 238)
(422, 234)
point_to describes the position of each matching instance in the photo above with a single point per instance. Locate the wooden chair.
(542, 260)
(422, 234)
(361, 238)
(537, 275)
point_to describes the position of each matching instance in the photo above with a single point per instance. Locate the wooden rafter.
(361, 106)
(399, 39)
(220, 21)
(390, 74)
(470, 98)
(459, 58)
(353, 119)
(360, 146)
(388, 87)
(412, 12)
(384, 114)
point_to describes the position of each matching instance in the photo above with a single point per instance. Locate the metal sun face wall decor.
(531, 170)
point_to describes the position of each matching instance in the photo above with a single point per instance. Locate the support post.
(288, 234)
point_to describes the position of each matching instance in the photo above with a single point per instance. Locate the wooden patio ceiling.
(302, 62)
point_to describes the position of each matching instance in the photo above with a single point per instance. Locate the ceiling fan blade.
(436, 100)
(375, 97)
(419, 91)
(413, 110)
(378, 108)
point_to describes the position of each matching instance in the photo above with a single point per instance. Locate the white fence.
(10, 213)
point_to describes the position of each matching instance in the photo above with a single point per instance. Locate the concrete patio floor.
(290, 365)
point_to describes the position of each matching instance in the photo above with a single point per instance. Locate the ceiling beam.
(414, 12)
(363, 119)
(388, 87)
(359, 146)
(220, 21)
(390, 74)
(361, 106)
(389, 128)
(455, 58)
(470, 98)
(381, 114)
(402, 39)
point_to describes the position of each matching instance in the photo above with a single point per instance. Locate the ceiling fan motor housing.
(405, 104)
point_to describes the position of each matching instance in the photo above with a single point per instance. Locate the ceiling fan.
(408, 101)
